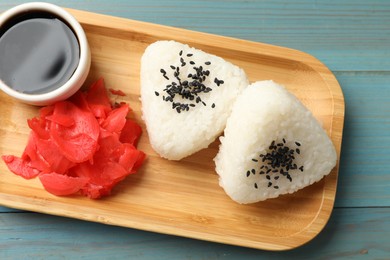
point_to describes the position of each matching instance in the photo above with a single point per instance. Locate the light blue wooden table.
(351, 37)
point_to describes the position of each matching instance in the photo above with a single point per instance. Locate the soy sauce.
(38, 53)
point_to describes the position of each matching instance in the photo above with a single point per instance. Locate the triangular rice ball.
(272, 145)
(187, 96)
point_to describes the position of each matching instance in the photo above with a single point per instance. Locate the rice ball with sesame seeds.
(272, 145)
(187, 96)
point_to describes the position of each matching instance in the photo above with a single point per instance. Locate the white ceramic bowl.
(76, 80)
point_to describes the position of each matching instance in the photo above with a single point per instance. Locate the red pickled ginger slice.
(32, 156)
(20, 167)
(50, 153)
(131, 132)
(79, 99)
(98, 99)
(101, 177)
(128, 157)
(40, 125)
(116, 119)
(117, 92)
(77, 142)
(60, 184)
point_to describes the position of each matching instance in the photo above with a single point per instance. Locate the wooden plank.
(9, 210)
(363, 104)
(350, 233)
(345, 35)
(364, 178)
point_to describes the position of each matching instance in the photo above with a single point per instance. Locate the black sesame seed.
(256, 185)
(254, 160)
(284, 140)
(268, 177)
(157, 94)
(207, 63)
(189, 54)
(248, 173)
(192, 62)
(298, 144)
(276, 177)
(253, 171)
(163, 71)
(173, 67)
(301, 168)
(269, 184)
(165, 76)
(181, 52)
(262, 172)
(218, 82)
(298, 151)
(213, 106)
(276, 187)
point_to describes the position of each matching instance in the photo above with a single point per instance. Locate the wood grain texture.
(349, 46)
(364, 178)
(351, 234)
(163, 199)
(345, 35)
(352, 38)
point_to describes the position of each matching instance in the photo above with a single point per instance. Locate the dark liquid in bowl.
(38, 53)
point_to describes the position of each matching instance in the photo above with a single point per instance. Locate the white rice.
(176, 135)
(264, 112)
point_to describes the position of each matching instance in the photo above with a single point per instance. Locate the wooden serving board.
(183, 197)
